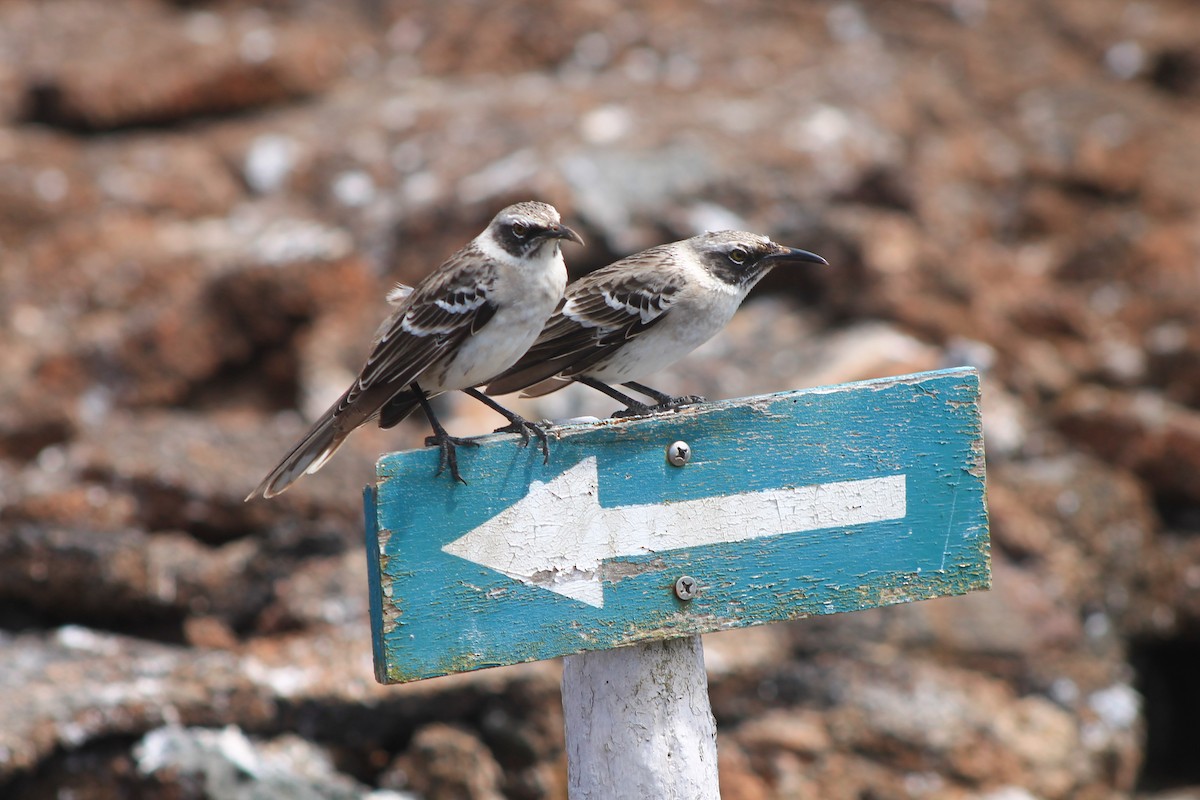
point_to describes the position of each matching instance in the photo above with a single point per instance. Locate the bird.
(467, 321)
(638, 315)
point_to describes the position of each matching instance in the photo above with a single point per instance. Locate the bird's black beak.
(563, 232)
(794, 255)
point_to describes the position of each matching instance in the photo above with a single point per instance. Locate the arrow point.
(551, 516)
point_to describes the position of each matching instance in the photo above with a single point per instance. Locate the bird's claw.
(683, 400)
(669, 404)
(524, 428)
(448, 459)
(629, 412)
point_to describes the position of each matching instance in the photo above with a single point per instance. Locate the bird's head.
(522, 230)
(741, 259)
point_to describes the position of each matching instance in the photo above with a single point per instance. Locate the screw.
(679, 453)
(685, 587)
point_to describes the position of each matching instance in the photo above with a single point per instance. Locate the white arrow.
(557, 535)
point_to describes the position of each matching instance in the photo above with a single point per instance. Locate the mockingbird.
(470, 319)
(643, 313)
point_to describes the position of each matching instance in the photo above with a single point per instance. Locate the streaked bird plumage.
(470, 319)
(643, 313)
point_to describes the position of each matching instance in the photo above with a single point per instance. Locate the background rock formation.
(203, 203)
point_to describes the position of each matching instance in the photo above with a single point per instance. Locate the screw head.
(679, 453)
(685, 587)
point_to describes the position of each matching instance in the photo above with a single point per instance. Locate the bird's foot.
(634, 410)
(449, 455)
(672, 403)
(667, 404)
(520, 425)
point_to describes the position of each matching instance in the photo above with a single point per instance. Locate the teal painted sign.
(810, 502)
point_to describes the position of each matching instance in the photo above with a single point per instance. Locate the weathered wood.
(826, 500)
(639, 724)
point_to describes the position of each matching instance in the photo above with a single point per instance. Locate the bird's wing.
(598, 315)
(431, 323)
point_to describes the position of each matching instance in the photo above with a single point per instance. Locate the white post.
(639, 723)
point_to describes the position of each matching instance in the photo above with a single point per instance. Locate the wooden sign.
(717, 516)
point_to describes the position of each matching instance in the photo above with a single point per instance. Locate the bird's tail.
(544, 387)
(531, 379)
(308, 456)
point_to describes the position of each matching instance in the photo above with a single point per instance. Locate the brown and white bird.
(643, 313)
(469, 320)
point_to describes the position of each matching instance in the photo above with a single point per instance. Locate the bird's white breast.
(525, 294)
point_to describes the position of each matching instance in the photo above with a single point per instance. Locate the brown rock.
(1157, 439)
(44, 180)
(794, 730)
(446, 763)
(65, 688)
(123, 578)
(155, 67)
(161, 173)
(738, 779)
(208, 632)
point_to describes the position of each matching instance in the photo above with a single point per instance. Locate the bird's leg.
(446, 442)
(664, 400)
(516, 423)
(633, 408)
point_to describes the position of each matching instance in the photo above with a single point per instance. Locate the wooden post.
(639, 723)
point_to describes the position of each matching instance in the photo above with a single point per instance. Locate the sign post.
(639, 723)
(717, 516)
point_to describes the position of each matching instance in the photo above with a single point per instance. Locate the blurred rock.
(125, 579)
(525, 734)
(155, 66)
(226, 765)
(71, 686)
(44, 180)
(972, 729)
(793, 731)
(446, 763)
(738, 779)
(1158, 440)
(614, 189)
(948, 731)
(202, 206)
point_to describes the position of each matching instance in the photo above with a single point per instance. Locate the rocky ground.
(202, 204)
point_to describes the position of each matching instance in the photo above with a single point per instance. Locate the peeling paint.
(613, 571)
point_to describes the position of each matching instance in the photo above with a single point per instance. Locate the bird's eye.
(520, 229)
(737, 255)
